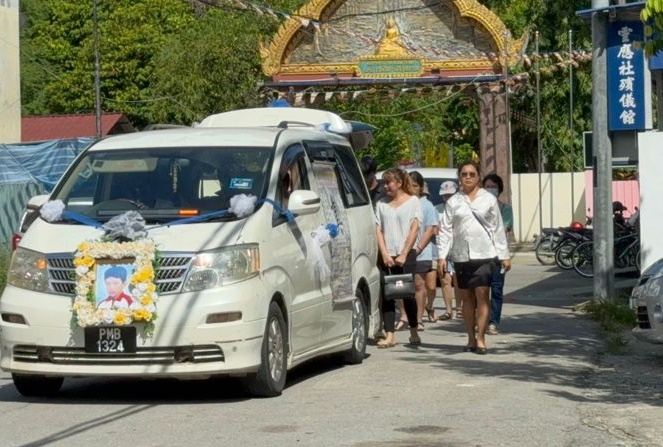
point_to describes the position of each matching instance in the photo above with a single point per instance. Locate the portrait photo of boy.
(112, 292)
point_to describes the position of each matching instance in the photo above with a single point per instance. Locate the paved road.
(529, 390)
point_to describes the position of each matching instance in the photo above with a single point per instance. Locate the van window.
(202, 179)
(293, 174)
(351, 179)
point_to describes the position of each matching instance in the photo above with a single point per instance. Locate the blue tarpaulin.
(30, 169)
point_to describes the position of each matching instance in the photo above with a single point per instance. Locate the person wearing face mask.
(448, 189)
(493, 184)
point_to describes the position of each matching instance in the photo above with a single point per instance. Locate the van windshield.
(164, 184)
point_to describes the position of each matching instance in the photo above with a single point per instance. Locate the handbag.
(398, 286)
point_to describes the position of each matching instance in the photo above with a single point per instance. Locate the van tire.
(270, 379)
(37, 386)
(357, 352)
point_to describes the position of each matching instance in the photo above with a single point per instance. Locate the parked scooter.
(550, 240)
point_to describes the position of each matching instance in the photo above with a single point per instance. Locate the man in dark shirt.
(369, 168)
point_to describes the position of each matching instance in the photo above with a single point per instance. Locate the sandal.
(446, 316)
(420, 326)
(384, 344)
(431, 315)
(402, 324)
(415, 341)
(459, 314)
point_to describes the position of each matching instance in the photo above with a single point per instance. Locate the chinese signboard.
(626, 76)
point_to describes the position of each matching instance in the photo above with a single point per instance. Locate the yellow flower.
(146, 300)
(87, 261)
(145, 274)
(142, 314)
(151, 288)
(121, 318)
(83, 247)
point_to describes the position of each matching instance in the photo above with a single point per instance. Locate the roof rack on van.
(284, 124)
(161, 126)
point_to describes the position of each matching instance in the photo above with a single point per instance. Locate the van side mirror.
(302, 201)
(31, 212)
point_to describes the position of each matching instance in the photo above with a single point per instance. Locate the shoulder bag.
(398, 286)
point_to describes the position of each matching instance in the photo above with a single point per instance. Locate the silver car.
(647, 301)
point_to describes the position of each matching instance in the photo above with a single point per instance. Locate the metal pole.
(538, 125)
(602, 150)
(507, 106)
(659, 93)
(97, 81)
(572, 142)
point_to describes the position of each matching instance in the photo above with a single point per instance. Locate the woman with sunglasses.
(472, 235)
(398, 217)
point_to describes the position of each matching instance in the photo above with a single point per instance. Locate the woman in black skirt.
(472, 236)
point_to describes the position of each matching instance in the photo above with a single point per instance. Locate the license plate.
(110, 339)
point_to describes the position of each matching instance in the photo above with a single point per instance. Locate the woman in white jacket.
(472, 236)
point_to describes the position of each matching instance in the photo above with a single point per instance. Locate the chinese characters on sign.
(626, 86)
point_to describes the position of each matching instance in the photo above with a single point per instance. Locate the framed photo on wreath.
(113, 278)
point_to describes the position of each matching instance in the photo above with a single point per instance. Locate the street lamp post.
(97, 81)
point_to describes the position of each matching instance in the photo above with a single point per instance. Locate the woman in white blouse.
(398, 217)
(472, 235)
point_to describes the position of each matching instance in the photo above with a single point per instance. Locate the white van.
(243, 247)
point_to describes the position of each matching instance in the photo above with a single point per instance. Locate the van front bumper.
(183, 344)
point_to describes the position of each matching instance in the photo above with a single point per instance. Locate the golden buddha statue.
(390, 44)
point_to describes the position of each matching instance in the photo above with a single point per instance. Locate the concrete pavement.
(544, 382)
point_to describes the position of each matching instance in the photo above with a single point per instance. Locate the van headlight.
(28, 270)
(221, 267)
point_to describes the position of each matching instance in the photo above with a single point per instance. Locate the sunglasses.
(468, 174)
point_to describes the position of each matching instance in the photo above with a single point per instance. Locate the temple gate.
(348, 43)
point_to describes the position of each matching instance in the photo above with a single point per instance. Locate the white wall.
(556, 201)
(10, 85)
(650, 161)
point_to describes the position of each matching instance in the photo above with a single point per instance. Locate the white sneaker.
(492, 330)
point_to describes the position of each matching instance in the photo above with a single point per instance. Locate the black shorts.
(425, 266)
(474, 273)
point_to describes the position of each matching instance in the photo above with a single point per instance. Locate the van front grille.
(170, 274)
(62, 355)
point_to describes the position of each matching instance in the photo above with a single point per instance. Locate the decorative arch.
(284, 58)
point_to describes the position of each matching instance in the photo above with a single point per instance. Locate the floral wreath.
(143, 292)
(124, 238)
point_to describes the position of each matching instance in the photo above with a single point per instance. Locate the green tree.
(552, 20)
(209, 68)
(58, 40)
(652, 16)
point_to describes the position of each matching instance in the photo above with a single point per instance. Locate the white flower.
(52, 210)
(82, 270)
(322, 235)
(108, 316)
(242, 205)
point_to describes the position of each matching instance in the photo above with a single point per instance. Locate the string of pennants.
(533, 64)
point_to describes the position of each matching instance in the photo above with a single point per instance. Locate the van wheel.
(357, 352)
(269, 381)
(37, 386)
